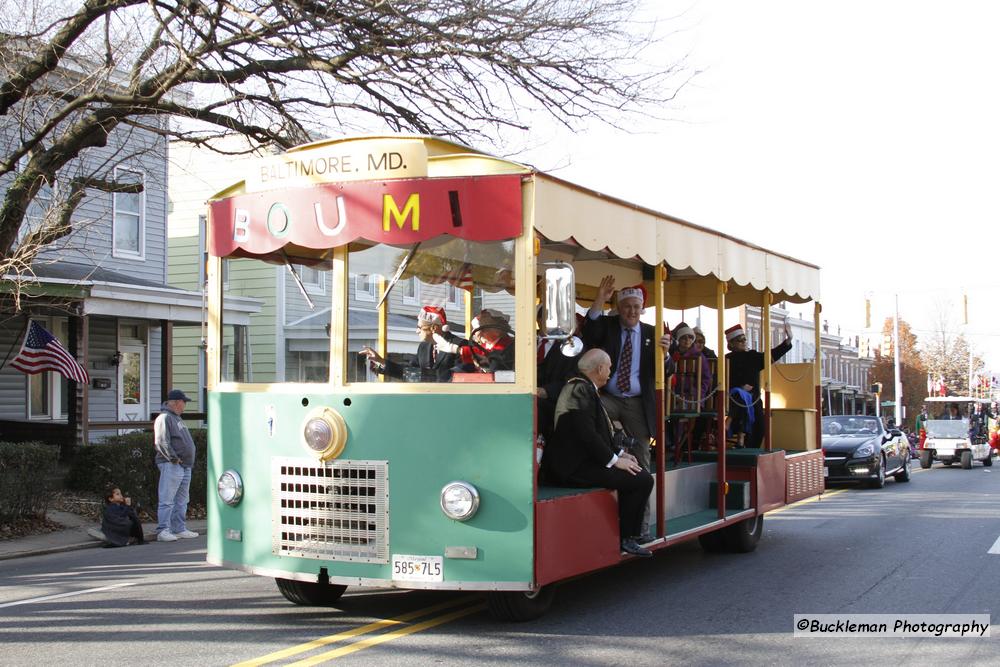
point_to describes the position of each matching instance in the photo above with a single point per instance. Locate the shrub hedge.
(127, 461)
(27, 471)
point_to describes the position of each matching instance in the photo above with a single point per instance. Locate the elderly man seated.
(582, 452)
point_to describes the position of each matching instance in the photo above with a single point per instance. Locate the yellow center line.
(355, 632)
(811, 499)
(387, 637)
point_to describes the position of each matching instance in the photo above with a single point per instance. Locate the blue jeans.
(175, 481)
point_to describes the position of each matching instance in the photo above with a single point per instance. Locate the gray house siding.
(13, 383)
(92, 243)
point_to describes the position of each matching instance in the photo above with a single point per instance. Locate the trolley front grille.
(333, 511)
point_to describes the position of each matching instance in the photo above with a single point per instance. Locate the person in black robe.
(744, 367)
(582, 451)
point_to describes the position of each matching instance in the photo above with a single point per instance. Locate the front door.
(132, 402)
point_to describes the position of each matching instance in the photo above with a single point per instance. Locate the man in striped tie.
(629, 395)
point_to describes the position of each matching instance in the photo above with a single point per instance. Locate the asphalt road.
(916, 548)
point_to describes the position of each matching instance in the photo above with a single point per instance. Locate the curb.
(90, 543)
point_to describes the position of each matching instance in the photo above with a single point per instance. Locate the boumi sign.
(326, 215)
(338, 163)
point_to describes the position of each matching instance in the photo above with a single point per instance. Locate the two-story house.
(104, 292)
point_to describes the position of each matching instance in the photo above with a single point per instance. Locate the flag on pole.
(40, 351)
(460, 277)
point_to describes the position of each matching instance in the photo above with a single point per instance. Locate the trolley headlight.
(324, 433)
(230, 488)
(459, 501)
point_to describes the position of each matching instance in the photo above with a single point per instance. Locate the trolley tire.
(988, 461)
(714, 542)
(310, 594)
(744, 536)
(966, 460)
(520, 606)
(904, 474)
(925, 459)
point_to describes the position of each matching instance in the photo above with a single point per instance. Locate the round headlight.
(324, 433)
(459, 500)
(318, 434)
(230, 488)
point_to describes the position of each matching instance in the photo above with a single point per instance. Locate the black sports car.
(858, 448)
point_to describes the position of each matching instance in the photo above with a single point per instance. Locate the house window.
(477, 300)
(455, 296)
(202, 226)
(365, 288)
(39, 207)
(410, 289)
(129, 217)
(48, 392)
(311, 277)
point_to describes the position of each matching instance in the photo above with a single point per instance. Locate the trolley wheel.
(520, 606)
(744, 536)
(925, 459)
(713, 543)
(988, 461)
(966, 460)
(308, 593)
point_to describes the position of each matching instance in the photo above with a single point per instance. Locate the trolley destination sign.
(350, 161)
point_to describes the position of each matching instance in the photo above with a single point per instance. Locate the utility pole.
(898, 383)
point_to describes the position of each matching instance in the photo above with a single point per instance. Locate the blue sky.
(860, 136)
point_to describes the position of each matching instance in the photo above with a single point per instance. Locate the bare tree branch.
(282, 72)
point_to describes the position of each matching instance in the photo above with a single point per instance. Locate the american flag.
(40, 351)
(460, 277)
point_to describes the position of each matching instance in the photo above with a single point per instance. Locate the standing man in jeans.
(174, 458)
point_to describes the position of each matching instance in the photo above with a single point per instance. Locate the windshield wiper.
(298, 281)
(399, 272)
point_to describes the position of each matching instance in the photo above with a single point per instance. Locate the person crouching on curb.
(175, 458)
(120, 524)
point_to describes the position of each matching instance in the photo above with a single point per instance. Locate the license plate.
(826, 472)
(417, 568)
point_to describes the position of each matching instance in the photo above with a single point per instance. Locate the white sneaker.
(96, 534)
(186, 534)
(166, 536)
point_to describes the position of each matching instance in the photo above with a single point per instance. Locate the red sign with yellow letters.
(397, 212)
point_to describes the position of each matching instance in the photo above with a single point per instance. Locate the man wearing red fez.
(435, 353)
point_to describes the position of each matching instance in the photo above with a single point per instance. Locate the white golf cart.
(950, 438)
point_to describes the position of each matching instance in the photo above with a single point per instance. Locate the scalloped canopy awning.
(698, 256)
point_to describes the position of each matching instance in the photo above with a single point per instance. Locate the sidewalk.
(73, 536)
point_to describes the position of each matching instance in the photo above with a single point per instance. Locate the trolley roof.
(591, 229)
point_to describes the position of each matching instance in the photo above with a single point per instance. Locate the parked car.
(858, 448)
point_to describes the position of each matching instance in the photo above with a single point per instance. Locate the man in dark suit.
(629, 395)
(432, 364)
(581, 452)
